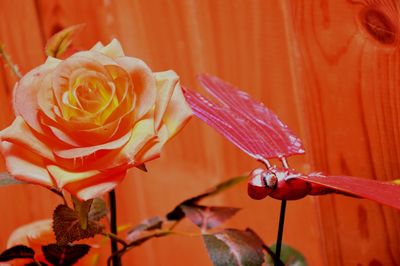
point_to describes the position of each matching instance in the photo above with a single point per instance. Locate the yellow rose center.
(93, 96)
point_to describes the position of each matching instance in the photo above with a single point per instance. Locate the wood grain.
(312, 62)
(347, 77)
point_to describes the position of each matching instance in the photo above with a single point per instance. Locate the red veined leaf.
(67, 227)
(17, 252)
(64, 255)
(382, 192)
(234, 247)
(146, 225)
(207, 217)
(177, 214)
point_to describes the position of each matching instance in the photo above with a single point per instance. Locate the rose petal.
(25, 165)
(62, 73)
(97, 56)
(25, 93)
(89, 184)
(113, 49)
(97, 46)
(178, 112)
(53, 60)
(35, 230)
(142, 133)
(86, 151)
(19, 133)
(166, 83)
(63, 177)
(60, 135)
(67, 133)
(98, 189)
(143, 82)
(152, 150)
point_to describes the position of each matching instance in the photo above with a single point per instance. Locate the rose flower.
(40, 233)
(83, 121)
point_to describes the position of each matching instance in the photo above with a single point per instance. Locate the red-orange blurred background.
(328, 70)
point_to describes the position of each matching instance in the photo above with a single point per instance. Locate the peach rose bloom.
(38, 234)
(83, 121)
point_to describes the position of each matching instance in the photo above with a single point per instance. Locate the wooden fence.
(328, 68)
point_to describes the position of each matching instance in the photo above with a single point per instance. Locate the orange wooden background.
(328, 68)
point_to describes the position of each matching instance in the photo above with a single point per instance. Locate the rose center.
(92, 96)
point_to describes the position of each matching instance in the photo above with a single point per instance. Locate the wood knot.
(379, 26)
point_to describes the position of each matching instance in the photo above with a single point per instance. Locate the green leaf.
(17, 252)
(64, 255)
(234, 247)
(98, 210)
(146, 225)
(207, 217)
(289, 256)
(177, 214)
(67, 228)
(6, 179)
(59, 43)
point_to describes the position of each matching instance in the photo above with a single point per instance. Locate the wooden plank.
(345, 107)
(243, 43)
(346, 60)
(19, 32)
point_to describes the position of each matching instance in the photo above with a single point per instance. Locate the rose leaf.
(59, 43)
(234, 247)
(146, 225)
(17, 252)
(6, 179)
(289, 256)
(98, 210)
(67, 228)
(207, 217)
(64, 255)
(177, 214)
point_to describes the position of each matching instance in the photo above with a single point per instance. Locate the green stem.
(116, 238)
(113, 228)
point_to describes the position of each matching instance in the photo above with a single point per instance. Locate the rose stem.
(280, 233)
(14, 67)
(113, 227)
